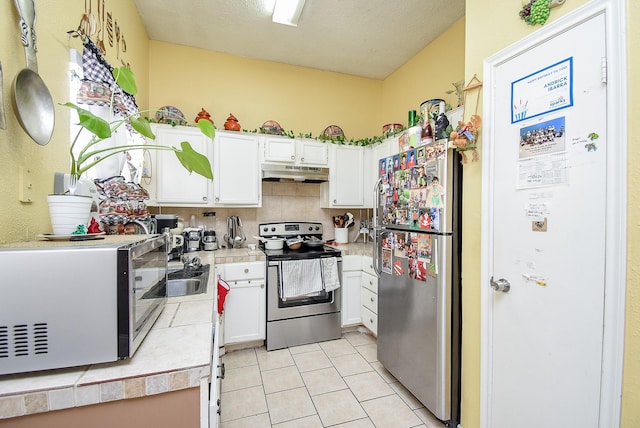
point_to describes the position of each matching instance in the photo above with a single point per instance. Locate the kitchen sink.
(188, 281)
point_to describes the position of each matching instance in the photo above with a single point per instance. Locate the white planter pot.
(67, 212)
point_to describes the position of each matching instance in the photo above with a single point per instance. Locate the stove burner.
(305, 230)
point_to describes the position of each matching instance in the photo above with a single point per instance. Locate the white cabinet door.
(346, 178)
(279, 149)
(245, 311)
(299, 151)
(312, 153)
(174, 185)
(351, 292)
(236, 171)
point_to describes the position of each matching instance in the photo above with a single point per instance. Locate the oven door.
(279, 309)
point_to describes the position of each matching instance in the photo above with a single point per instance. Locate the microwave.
(73, 303)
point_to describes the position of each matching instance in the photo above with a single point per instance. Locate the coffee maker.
(168, 224)
(192, 239)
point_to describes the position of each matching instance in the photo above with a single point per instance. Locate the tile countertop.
(176, 354)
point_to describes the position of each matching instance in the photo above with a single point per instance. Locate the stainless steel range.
(303, 295)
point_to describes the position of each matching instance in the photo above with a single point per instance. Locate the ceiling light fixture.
(287, 12)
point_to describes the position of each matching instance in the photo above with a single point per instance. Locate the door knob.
(500, 285)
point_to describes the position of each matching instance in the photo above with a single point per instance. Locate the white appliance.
(67, 304)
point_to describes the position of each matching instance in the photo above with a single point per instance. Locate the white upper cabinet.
(295, 151)
(346, 178)
(312, 152)
(172, 184)
(236, 170)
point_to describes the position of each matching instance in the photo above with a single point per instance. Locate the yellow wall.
(429, 74)
(631, 386)
(491, 26)
(54, 18)
(302, 100)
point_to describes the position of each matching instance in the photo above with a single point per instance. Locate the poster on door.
(543, 91)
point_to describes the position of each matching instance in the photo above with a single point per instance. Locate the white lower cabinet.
(351, 273)
(210, 391)
(351, 298)
(244, 315)
(369, 297)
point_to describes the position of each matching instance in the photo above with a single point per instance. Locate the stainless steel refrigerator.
(417, 257)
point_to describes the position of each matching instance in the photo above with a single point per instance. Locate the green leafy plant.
(90, 155)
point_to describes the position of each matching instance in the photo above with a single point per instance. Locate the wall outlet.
(26, 185)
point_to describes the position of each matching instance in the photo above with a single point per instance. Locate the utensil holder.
(341, 235)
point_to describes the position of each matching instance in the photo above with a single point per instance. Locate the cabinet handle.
(302, 159)
(371, 320)
(293, 157)
(246, 270)
(335, 201)
(261, 285)
(371, 299)
(222, 371)
(204, 198)
(370, 282)
(217, 199)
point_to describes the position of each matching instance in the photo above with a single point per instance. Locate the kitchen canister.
(341, 235)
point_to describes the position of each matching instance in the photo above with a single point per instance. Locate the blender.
(209, 240)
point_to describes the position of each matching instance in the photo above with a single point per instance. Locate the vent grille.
(23, 340)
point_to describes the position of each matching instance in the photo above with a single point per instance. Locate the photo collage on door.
(411, 196)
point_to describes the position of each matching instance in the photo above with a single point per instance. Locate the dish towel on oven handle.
(300, 278)
(309, 277)
(330, 273)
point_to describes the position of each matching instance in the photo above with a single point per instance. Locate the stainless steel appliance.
(417, 258)
(162, 222)
(68, 303)
(192, 239)
(209, 240)
(303, 301)
(235, 234)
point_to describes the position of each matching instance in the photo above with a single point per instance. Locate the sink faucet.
(191, 263)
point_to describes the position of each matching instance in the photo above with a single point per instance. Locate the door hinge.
(603, 70)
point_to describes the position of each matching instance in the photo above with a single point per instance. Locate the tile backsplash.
(280, 202)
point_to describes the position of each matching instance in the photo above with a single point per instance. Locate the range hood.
(290, 173)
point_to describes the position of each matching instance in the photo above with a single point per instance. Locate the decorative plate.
(333, 131)
(271, 127)
(170, 115)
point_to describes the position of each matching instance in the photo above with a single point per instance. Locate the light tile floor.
(338, 383)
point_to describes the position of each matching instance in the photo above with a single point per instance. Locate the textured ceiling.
(369, 38)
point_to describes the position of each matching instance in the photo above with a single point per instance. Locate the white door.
(545, 227)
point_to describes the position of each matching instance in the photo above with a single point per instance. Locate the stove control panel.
(290, 229)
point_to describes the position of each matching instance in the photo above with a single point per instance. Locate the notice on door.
(543, 91)
(541, 171)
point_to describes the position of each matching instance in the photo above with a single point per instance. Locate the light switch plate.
(26, 185)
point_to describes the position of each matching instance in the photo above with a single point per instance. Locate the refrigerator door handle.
(435, 254)
(376, 229)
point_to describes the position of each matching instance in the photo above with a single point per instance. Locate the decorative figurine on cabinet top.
(203, 115)
(232, 123)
